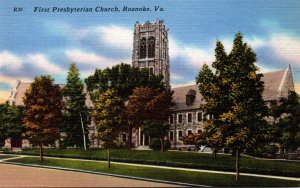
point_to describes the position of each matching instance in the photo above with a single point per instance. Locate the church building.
(151, 50)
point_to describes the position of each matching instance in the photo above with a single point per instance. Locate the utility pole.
(84, 142)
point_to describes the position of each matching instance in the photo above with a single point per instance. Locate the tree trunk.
(237, 164)
(214, 153)
(108, 157)
(129, 137)
(161, 144)
(41, 153)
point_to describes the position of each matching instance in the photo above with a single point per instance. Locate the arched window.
(151, 47)
(143, 48)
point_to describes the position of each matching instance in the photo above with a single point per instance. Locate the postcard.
(174, 38)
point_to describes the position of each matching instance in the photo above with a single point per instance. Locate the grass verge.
(200, 178)
(181, 159)
(7, 156)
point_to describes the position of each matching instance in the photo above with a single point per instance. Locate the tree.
(213, 137)
(11, 122)
(286, 130)
(42, 112)
(75, 113)
(107, 116)
(151, 108)
(123, 78)
(214, 93)
(193, 139)
(233, 94)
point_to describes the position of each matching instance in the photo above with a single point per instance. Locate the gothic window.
(143, 48)
(151, 47)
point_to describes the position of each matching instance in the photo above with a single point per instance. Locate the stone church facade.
(188, 118)
(151, 50)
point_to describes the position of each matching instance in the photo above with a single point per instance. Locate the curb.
(105, 174)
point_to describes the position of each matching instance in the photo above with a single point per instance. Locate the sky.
(40, 42)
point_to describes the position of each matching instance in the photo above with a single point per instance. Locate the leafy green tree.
(233, 95)
(75, 113)
(11, 122)
(123, 78)
(286, 130)
(108, 117)
(151, 108)
(42, 112)
(214, 91)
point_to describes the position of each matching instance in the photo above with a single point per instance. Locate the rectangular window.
(205, 118)
(171, 119)
(199, 116)
(189, 118)
(199, 131)
(189, 132)
(179, 120)
(171, 136)
(151, 70)
(179, 134)
(124, 137)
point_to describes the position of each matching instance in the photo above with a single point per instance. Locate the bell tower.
(151, 48)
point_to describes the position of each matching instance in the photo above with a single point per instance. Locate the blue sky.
(36, 43)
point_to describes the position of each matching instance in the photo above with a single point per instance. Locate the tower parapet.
(151, 48)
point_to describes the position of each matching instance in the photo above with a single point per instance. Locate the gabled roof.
(179, 98)
(19, 91)
(272, 81)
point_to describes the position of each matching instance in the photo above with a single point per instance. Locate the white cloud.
(91, 58)
(116, 36)
(40, 61)
(264, 68)
(256, 42)
(10, 60)
(184, 84)
(12, 79)
(176, 77)
(228, 44)
(286, 47)
(194, 56)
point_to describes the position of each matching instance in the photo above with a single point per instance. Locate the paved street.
(21, 176)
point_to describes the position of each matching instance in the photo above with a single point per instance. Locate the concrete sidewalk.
(24, 176)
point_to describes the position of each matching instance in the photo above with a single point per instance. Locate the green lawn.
(6, 156)
(163, 174)
(182, 159)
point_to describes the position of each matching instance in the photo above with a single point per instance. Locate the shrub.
(155, 144)
(167, 145)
